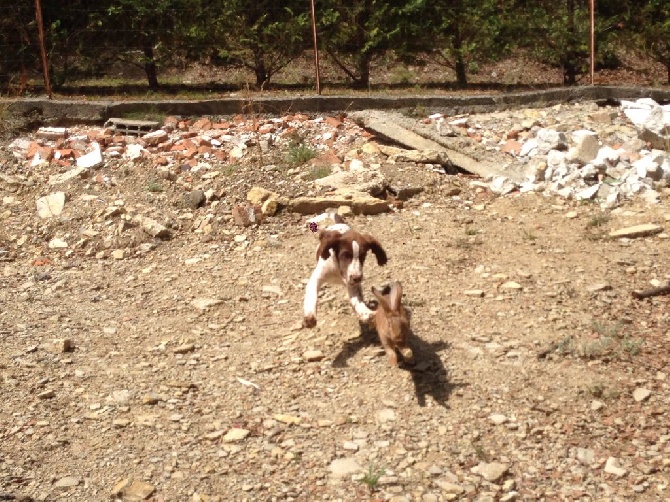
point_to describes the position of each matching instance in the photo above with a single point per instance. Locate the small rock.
(492, 471)
(119, 254)
(51, 205)
(63, 345)
(640, 394)
(184, 349)
(152, 227)
(205, 303)
(47, 394)
(498, 419)
(612, 466)
(287, 419)
(511, 285)
(313, 355)
(474, 292)
(386, 415)
(235, 434)
(586, 456)
(132, 490)
(342, 467)
(67, 482)
(597, 405)
(194, 199)
(449, 487)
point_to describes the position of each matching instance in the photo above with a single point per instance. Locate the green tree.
(147, 33)
(652, 30)
(460, 33)
(263, 36)
(19, 49)
(558, 31)
(354, 33)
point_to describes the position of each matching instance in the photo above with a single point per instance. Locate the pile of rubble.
(579, 164)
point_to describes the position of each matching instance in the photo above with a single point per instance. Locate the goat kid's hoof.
(309, 321)
(407, 355)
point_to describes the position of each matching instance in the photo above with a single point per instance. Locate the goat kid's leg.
(356, 299)
(390, 350)
(311, 299)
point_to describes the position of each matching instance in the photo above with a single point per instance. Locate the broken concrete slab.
(92, 159)
(411, 134)
(637, 231)
(51, 205)
(359, 202)
(59, 179)
(365, 180)
(651, 119)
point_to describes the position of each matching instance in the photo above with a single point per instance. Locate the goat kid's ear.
(377, 249)
(383, 301)
(328, 240)
(395, 296)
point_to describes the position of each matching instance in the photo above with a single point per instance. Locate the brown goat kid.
(392, 323)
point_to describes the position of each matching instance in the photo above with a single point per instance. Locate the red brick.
(511, 146)
(333, 122)
(203, 124)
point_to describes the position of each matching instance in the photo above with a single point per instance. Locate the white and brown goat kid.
(340, 258)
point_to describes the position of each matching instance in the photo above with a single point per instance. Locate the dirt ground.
(548, 382)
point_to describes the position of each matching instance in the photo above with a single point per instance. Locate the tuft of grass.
(528, 235)
(606, 341)
(151, 114)
(480, 452)
(229, 169)
(471, 231)
(299, 154)
(154, 186)
(598, 220)
(468, 242)
(318, 172)
(371, 477)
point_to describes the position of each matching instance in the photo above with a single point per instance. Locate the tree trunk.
(570, 57)
(260, 70)
(150, 65)
(361, 40)
(363, 81)
(461, 70)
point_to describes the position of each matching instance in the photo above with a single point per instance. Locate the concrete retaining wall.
(66, 112)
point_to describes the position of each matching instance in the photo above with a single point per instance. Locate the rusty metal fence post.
(43, 49)
(316, 50)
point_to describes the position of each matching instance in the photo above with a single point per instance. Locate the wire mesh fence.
(200, 46)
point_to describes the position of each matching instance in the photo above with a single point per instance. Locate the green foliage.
(299, 153)
(652, 17)
(355, 33)
(372, 476)
(263, 36)
(462, 33)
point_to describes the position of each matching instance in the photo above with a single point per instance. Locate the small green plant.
(607, 340)
(402, 75)
(371, 477)
(229, 169)
(318, 172)
(298, 151)
(154, 186)
(631, 346)
(471, 231)
(598, 221)
(152, 113)
(528, 235)
(480, 452)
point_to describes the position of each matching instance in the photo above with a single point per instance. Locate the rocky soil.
(150, 332)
